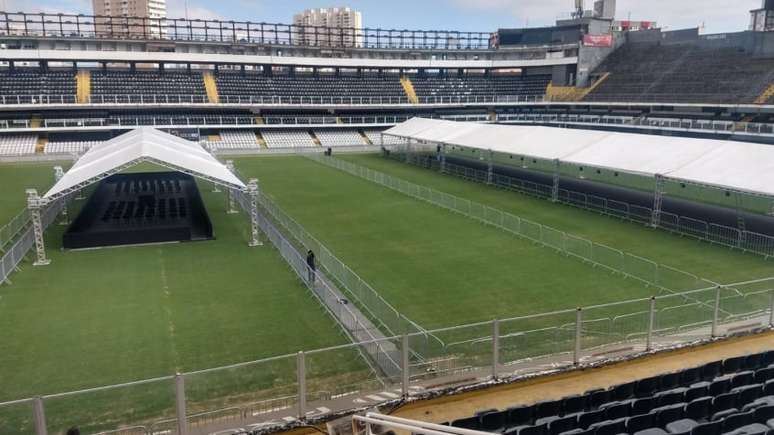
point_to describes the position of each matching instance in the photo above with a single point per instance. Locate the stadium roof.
(727, 164)
(144, 145)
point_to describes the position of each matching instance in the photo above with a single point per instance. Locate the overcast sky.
(474, 15)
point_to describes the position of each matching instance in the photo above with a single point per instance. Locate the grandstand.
(516, 231)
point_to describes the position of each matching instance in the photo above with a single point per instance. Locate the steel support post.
(658, 198)
(252, 190)
(495, 348)
(405, 368)
(39, 416)
(490, 168)
(578, 336)
(443, 158)
(231, 200)
(407, 153)
(301, 370)
(35, 204)
(771, 314)
(555, 186)
(58, 174)
(182, 423)
(651, 324)
(716, 314)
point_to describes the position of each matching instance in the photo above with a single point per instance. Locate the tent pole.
(658, 197)
(231, 203)
(252, 190)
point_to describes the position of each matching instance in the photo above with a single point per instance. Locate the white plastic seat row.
(287, 138)
(18, 144)
(70, 147)
(338, 137)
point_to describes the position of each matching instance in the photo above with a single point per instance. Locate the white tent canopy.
(725, 164)
(144, 145)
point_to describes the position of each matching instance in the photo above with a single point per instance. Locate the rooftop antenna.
(579, 7)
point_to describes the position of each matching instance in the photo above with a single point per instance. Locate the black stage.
(132, 209)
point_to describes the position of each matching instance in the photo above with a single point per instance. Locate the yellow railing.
(572, 93)
(766, 95)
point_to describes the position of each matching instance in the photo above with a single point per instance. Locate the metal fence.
(322, 383)
(386, 317)
(42, 25)
(629, 265)
(17, 238)
(351, 321)
(730, 237)
(161, 99)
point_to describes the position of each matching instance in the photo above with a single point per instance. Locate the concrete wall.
(589, 59)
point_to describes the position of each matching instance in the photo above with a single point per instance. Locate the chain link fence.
(642, 269)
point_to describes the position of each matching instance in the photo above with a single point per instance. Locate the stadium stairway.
(261, 141)
(83, 86)
(572, 93)
(40, 146)
(315, 139)
(408, 87)
(366, 140)
(767, 95)
(211, 86)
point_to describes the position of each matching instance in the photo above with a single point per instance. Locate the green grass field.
(442, 269)
(711, 261)
(107, 316)
(101, 317)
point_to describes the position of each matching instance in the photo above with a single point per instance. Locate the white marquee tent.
(144, 144)
(741, 166)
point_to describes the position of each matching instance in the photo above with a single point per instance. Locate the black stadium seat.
(696, 401)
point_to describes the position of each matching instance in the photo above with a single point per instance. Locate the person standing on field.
(311, 267)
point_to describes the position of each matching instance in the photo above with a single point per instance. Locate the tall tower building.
(154, 10)
(329, 27)
(604, 9)
(762, 19)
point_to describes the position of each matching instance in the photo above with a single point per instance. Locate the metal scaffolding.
(252, 190)
(36, 204)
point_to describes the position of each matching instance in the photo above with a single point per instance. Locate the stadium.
(233, 227)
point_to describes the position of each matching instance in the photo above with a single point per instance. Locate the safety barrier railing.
(387, 318)
(319, 286)
(9, 231)
(18, 237)
(316, 384)
(645, 270)
(730, 237)
(162, 99)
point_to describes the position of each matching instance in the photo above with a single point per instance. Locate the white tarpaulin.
(145, 144)
(721, 163)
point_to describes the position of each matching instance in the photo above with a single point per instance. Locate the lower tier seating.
(70, 147)
(734, 396)
(18, 144)
(334, 138)
(287, 138)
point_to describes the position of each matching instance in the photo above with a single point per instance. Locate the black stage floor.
(141, 208)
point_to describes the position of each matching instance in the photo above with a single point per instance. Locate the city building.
(604, 9)
(762, 19)
(329, 27)
(140, 17)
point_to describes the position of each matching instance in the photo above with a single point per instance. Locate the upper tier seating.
(481, 86)
(18, 144)
(147, 83)
(734, 396)
(682, 74)
(287, 138)
(338, 137)
(31, 84)
(256, 85)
